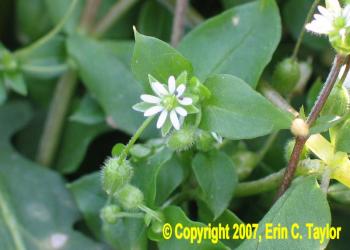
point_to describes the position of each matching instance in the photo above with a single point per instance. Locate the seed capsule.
(130, 197)
(115, 175)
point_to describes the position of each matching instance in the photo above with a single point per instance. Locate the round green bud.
(182, 139)
(157, 226)
(286, 76)
(289, 149)
(130, 197)
(245, 162)
(115, 175)
(110, 213)
(204, 141)
(337, 102)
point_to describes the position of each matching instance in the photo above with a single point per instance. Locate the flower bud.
(245, 162)
(182, 139)
(204, 141)
(130, 197)
(300, 128)
(110, 213)
(115, 175)
(199, 89)
(289, 149)
(337, 102)
(286, 76)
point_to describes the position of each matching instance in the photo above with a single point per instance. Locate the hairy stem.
(56, 117)
(59, 106)
(49, 35)
(89, 14)
(300, 141)
(115, 13)
(193, 17)
(179, 21)
(302, 32)
(265, 184)
(346, 71)
(277, 99)
(134, 138)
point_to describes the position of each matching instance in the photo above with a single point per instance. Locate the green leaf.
(146, 173)
(342, 136)
(303, 203)
(125, 234)
(88, 112)
(170, 176)
(75, 141)
(323, 123)
(174, 215)
(236, 111)
(217, 178)
(36, 210)
(157, 58)
(155, 20)
(239, 42)
(32, 20)
(340, 193)
(115, 89)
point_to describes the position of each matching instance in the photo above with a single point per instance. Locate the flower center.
(169, 102)
(339, 22)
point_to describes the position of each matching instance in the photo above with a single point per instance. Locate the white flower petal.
(150, 99)
(346, 11)
(333, 6)
(174, 120)
(325, 12)
(162, 118)
(315, 27)
(185, 101)
(171, 84)
(181, 111)
(180, 90)
(159, 89)
(153, 110)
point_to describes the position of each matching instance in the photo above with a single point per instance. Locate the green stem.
(10, 221)
(302, 33)
(265, 148)
(265, 184)
(48, 36)
(46, 70)
(130, 215)
(134, 138)
(56, 117)
(150, 212)
(115, 13)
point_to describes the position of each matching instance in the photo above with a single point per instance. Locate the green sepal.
(191, 109)
(117, 149)
(166, 127)
(182, 78)
(15, 81)
(142, 106)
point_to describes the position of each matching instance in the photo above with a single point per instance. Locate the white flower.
(169, 101)
(333, 18)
